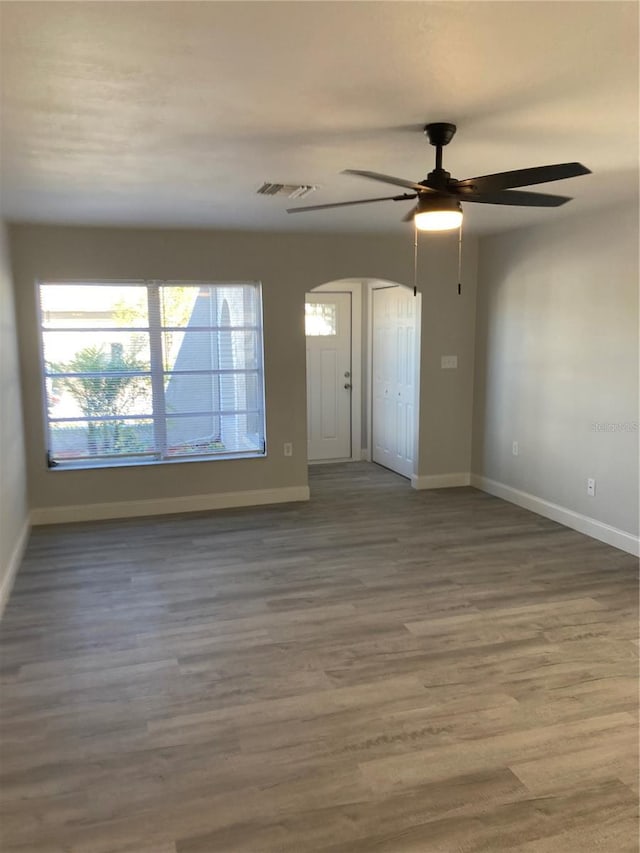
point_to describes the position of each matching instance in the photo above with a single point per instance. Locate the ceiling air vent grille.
(290, 190)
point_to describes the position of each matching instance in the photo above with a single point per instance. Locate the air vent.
(290, 190)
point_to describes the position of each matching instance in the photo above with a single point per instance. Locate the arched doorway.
(363, 355)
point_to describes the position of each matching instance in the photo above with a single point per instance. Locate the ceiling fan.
(439, 195)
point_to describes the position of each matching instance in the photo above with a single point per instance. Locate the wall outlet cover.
(448, 362)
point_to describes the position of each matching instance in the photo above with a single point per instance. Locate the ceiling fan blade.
(388, 179)
(409, 216)
(349, 203)
(522, 177)
(516, 197)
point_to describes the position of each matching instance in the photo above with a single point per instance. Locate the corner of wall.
(14, 513)
(10, 569)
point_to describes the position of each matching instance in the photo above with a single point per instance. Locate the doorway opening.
(363, 355)
(333, 330)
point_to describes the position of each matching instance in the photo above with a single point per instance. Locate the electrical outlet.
(591, 487)
(515, 449)
(288, 448)
(448, 361)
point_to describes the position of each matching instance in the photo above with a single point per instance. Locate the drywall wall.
(557, 364)
(446, 396)
(288, 265)
(13, 481)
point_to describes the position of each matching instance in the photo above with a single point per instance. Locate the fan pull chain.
(415, 261)
(460, 260)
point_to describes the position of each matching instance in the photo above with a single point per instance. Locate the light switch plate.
(448, 361)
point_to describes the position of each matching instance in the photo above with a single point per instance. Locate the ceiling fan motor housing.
(427, 203)
(437, 180)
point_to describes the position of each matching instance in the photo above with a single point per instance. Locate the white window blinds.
(152, 371)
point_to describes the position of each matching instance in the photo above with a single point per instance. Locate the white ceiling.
(173, 113)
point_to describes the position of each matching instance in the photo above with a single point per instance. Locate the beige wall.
(556, 353)
(448, 328)
(13, 493)
(288, 265)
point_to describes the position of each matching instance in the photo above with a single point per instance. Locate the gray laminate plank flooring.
(378, 670)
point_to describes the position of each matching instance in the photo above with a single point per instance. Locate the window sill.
(87, 465)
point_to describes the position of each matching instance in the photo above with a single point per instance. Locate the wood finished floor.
(378, 670)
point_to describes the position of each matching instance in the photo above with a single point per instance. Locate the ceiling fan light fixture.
(438, 214)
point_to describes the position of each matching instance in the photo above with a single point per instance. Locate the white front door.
(328, 333)
(394, 378)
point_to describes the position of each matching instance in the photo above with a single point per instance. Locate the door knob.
(347, 385)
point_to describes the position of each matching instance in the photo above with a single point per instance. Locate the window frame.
(157, 374)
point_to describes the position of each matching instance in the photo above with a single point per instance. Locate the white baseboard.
(167, 506)
(440, 481)
(11, 570)
(582, 523)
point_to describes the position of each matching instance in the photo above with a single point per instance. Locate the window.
(319, 319)
(151, 371)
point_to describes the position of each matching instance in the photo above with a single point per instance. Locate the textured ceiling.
(173, 113)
